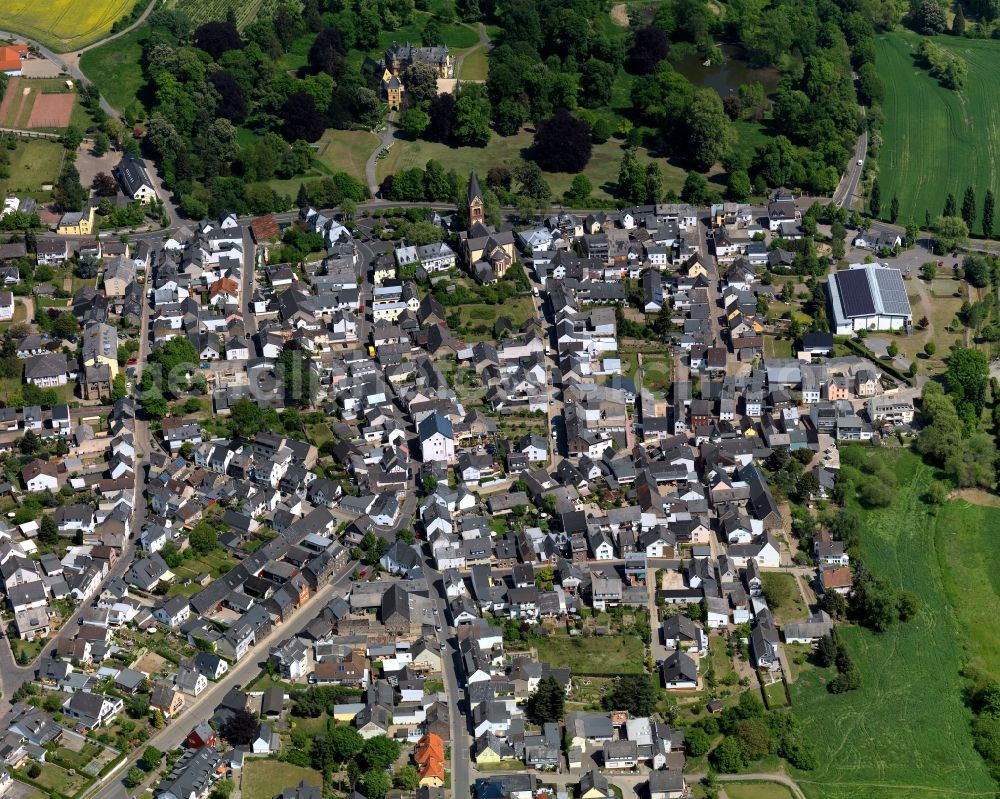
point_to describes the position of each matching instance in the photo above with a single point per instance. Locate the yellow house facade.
(76, 223)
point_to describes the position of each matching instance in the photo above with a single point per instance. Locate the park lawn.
(63, 25)
(263, 779)
(757, 790)
(297, 56)
(346, 150)
(517, 309)
(966, 548)
(456, 35)
(594, 654)
(788, 604)
(116, 67)
(602, 169)
(475, 64)
(905, 732)
(928, 127)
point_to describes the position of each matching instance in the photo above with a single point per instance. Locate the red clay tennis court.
(52, 110)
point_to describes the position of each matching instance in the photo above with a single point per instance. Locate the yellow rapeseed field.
(63, 25)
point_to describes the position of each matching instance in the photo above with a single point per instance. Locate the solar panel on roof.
(892, 292)
(855, 293)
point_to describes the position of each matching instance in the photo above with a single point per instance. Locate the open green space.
(784, 597)
(602, 168)
(63, 25)
(346, 150)
(264, 779)
(316, 726)
(34, 163)
(905, 732)
(116, 67)
(319, 434)
(77, 760)
(474, 316)
(937, 140)
(215, 563)
(966, 546)
(757, 790)
(58, 779)
(475, 64)
(604, 654)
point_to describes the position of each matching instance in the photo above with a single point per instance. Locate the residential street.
(199, 708)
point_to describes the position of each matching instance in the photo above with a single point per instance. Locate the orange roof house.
(264, 228)
(224, 285)
(10, 58)
(837, 579)
(429, 757)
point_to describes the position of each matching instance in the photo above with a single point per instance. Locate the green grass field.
(966, 547)
(115, 68)
(784, 597)
(602, 169)
(346, 150)
(517, 309)
(905, 733)
(263, 779)
(757, 790)
(34, 163)
(63, 25)
(936, 140)
(607, 654)
(475, 65)
(58, 779)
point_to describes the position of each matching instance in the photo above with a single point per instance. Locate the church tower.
(477, 207)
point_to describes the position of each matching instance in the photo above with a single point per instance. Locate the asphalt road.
(200, 708)
(12, 676)
(848, 187)
(451, 664)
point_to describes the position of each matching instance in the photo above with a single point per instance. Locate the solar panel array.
(855, 293)
(892, 292)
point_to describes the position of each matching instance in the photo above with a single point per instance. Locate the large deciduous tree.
(562, 143)
(216, 38)
(649, 48)
(710, 133)
(301, 119)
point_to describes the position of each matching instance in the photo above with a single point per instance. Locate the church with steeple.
(477, 205)
(488, 252)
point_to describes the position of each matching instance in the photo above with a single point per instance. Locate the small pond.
(727, 74)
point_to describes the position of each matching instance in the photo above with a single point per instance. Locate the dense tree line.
(949, 69)
(206, 86)
(751, 733)
(954, 436)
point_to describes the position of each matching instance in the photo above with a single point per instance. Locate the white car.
(860, 161)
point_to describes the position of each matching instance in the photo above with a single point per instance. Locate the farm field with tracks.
(937, 140)
(63, 25)
(905, 732)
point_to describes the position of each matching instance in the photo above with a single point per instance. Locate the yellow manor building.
(399, 56)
